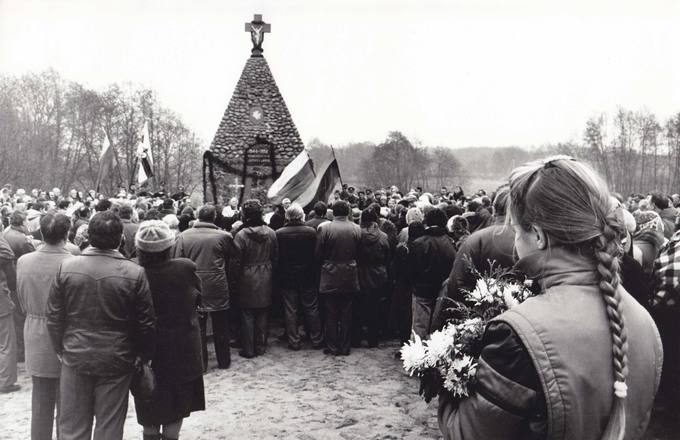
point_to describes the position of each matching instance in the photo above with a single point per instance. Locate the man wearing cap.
(100, 319)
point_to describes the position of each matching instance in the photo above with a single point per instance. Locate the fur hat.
(154, 236)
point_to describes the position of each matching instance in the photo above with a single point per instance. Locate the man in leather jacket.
(100, 318)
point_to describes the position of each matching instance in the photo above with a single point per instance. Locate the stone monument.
(256, 138)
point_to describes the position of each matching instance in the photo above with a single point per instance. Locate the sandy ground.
(289, 395)
(302, 395)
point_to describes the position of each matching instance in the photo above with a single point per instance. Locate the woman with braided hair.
(581, 360)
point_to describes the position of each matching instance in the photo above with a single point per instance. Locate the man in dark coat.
(21, 244)
(129, 231)
(492, 245)
(212, 250)
(296, 276)
(337, 249)
(373, 258)
(100, 319)
(8, 339)
(256, 257)
(430, 261)
(320, 210)
(666, 211)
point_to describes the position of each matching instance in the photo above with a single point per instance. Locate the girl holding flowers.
(581, 360)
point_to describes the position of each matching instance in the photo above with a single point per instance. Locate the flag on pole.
(294, 180)
(145, 171)
(106, 161)
(327, 180)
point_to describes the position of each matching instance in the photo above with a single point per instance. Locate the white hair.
(295, 212)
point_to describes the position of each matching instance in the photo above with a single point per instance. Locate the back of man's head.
(18, 218)
(64, 204)
(500, 203)
(295, 213)
(105, 230)
(320, 209)
(435, 217)
(340, 208)
(54, 227)
(659, 200)
(207, 213)
(103, 205)
(125, 212)
(368, 216)
(168, 204)
(473, 205)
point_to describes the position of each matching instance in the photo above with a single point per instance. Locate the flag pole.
(336, 160)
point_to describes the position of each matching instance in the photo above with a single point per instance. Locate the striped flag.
(145, 171)
(327, 180)
(106, 161)
(295, 179)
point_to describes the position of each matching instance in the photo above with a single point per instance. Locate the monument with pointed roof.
(256, 138)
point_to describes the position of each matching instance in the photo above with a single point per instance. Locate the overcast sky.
(453, 73)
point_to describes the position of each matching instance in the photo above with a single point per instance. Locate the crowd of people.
(94, 288)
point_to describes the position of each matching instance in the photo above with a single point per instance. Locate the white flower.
(439, 345)
(509, 298)
(482, 291)
(413, 355)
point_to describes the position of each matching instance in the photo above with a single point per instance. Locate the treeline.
(633, 151)
(397, 161)
(52, 131)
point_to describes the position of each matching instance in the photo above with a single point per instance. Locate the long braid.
(607, 253)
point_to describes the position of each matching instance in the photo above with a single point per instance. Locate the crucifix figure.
(257, 29)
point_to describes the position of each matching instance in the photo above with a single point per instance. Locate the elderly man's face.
(285, 203)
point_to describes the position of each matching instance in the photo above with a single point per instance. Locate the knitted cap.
(154, 236)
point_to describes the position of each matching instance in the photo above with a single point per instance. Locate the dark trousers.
(338, 307)
(220, 329)
(44, 401)
(367, 313)
(8, 351)
(309, 299)
(83, 398)
(422, 315)
(401, 310)
(19, 319)
(254, 330)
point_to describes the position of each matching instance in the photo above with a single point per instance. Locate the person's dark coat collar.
(435, 231)
(559, 266)
(294, 223)
(93, 251)
(200, 224)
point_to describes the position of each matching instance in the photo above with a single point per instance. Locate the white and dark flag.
(106, 161)
(296, 178)
(145, 171)
(327, 180)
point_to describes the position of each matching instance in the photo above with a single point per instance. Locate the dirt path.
(302, 395)
(290, 395)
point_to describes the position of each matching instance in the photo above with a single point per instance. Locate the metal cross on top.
(257, 29)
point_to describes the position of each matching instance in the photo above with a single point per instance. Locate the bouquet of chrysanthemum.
(447, 360)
